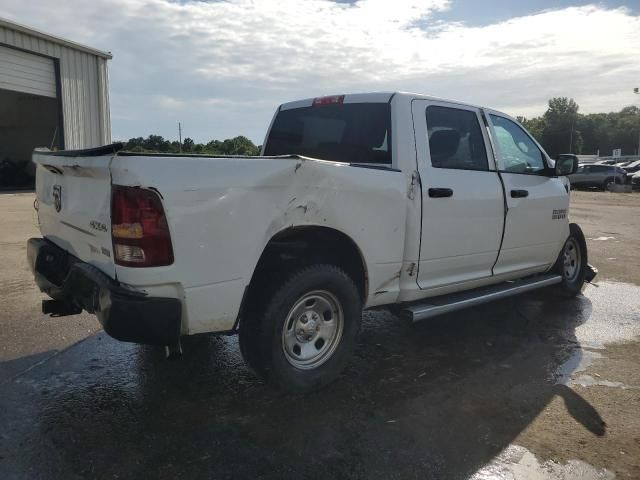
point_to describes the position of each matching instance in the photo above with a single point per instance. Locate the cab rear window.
(350, 132)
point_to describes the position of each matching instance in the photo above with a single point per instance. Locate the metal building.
(54, 93)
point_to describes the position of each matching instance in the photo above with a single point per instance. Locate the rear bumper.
(125, 315)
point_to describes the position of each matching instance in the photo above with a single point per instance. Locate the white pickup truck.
(358, 201)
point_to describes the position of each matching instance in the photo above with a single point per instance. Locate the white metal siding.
(83, 86)
(27, 73)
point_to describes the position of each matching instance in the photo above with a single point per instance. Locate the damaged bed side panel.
(222, 212)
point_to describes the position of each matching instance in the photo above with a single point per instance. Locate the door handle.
(519, 193)
(440, 192)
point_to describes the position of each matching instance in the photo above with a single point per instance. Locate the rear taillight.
(139, 228)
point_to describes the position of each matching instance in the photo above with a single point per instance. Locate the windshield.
(351, 132)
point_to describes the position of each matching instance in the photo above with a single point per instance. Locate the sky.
(222, 67)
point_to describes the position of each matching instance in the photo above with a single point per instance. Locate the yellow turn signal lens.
(127, 230)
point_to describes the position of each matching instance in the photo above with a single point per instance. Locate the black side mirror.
(566, 165)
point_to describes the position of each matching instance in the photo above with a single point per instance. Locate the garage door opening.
(27, 122)
(29, 114)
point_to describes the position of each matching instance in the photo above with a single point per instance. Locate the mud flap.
(590, 273)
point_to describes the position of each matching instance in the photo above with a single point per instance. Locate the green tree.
(560, 133)
(187, 145)
(239, 146)
(155, 143)
(626, 133)
(534, 126)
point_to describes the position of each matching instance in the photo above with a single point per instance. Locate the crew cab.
(372, 200)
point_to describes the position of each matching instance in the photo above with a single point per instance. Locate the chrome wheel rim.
(312, 330)
(571, 260)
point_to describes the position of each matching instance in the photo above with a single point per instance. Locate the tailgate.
(74, 204)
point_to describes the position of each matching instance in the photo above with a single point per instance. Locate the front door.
(536, 224)
(462, 199)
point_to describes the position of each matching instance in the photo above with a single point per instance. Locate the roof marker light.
(331, 100)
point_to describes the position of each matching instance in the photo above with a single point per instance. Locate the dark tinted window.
(351, 132)
(455, 139)
(600, 168)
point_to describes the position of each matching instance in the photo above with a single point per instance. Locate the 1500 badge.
(559, 214)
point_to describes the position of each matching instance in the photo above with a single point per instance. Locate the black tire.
(607, 182)
(572, 278)
(270, 355)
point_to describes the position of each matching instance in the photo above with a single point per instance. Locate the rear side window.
(350, 132)
(455, 139)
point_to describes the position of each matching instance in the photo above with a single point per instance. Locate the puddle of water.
(602, 238)
(614, 318)
(578, 361)
(518, 463)
(615, 315)
(589, 381)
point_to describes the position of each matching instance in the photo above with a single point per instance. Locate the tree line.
(155, 143)
(561, 129)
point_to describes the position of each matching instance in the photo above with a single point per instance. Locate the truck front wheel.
(303, 335)
(572, 262)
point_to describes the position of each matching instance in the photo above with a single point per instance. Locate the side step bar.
(458, 301)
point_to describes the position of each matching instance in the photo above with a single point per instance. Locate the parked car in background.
(635, 181)
(632, 167)
(598, 176)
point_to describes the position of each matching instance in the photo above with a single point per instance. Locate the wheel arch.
(299, 246)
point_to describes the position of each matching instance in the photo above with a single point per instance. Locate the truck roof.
(372, 97)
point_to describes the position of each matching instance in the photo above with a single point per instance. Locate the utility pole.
(180, 137)
(637, 91)
(571, 136)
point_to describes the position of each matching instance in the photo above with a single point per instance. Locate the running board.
(458, 301)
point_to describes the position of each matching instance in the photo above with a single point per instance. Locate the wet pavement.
(526, 388)
(440, 399)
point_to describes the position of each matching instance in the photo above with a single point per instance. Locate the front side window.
(455, 139)
(518, 152)
(350, 132)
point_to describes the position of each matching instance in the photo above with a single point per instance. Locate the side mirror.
(566, 165)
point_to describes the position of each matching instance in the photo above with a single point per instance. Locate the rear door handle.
(519, 193)
(440, 192)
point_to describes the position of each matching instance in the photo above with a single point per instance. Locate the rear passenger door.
(462, 199)
(536, 223)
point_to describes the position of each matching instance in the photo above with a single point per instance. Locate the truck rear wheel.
(303, 335)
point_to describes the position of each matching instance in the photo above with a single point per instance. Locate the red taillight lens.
(332, 100)
(139, 228)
